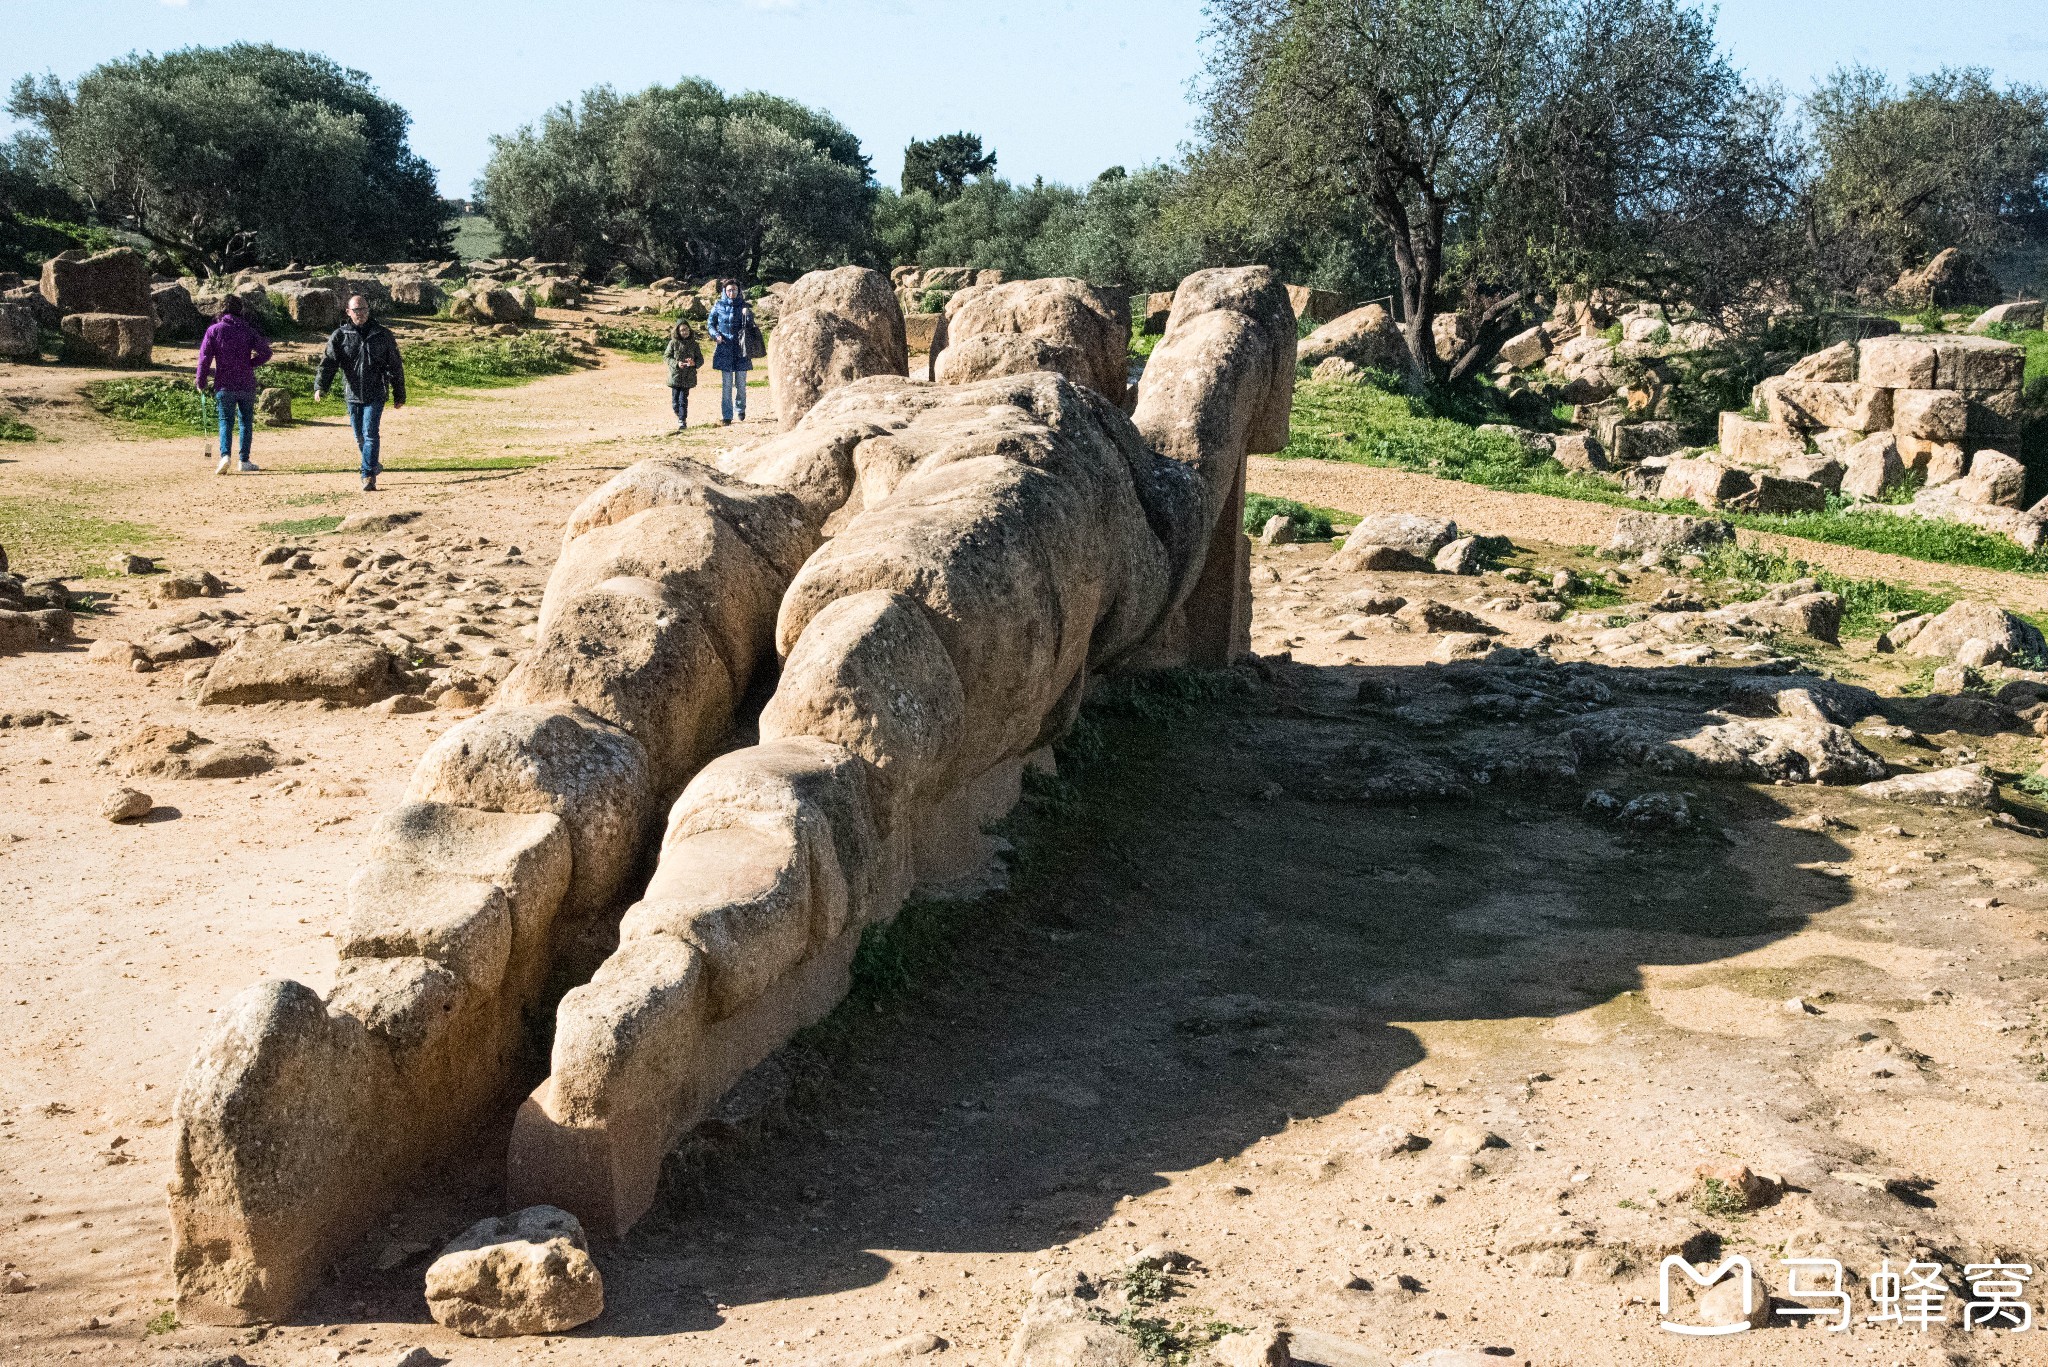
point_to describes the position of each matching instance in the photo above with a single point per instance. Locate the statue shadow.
(1209, 936)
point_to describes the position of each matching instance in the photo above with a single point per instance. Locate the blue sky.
(1060, 88)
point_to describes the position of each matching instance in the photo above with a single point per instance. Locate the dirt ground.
(1227, 998)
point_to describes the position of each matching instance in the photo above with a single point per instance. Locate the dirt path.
(1415, 1071)
(1362, 489)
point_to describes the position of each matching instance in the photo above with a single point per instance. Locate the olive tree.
(683, 180)
(228, 157)
(1497, 146)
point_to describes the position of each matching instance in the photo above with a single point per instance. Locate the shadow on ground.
(1207, 933)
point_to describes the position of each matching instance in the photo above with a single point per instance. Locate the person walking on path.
(730, 323)
(366, 354)
(684, 356)
(228, 357)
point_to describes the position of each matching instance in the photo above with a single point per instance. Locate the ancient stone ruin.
(938, 570)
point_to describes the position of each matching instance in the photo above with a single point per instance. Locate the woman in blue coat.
(731, 320)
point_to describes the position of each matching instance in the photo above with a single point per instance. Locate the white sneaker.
(226, 466)
(247, 467)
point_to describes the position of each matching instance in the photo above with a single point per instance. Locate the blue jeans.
(679, 399)
(732, 394)
(363, 418)
(231, 402)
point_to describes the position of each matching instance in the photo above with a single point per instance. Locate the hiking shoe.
(248, 467)
(226, 466)
(369, 484)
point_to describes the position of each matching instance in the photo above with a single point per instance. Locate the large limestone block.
(2018, 313)
(332, 668)
(462, 924)
(2009, 637)
(177, 317)
(1995, 478)
(1367, 337)
(526, 1273)
(115, 281)
(1705, 482)
(20, 334)
(1314, 305)
(1758, 443)
(920, 331)
(864, 299)
(556, 759)
(1831, 365)
(1526, 348)
(814, 351)
(1158, 307)
(1872, 467)
(316, 310)
(1976, 365)
(1897, 363)
(112, 339)
(1806, 405)
(1413, 535)
(814, 464)
(994, 354)
(1930, 414)
(1086, 328)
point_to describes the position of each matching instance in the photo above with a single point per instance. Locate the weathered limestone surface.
(836, 326)
(1062, 325)
(991, 546)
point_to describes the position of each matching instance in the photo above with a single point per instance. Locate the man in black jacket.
(366, 354)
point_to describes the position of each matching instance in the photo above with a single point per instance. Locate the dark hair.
(232, 305)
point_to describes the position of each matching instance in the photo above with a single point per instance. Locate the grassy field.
(14, 429)
(1371, 425)
(48, 537)
(476, 239)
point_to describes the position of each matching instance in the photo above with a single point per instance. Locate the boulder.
(1067, 326)
(1450, 333)
(1644, 533)
(2018, 313)
(112, 339)
(1832, 365)
(20, 334)
(525, 1273)
(1758, 443)
(1952, 277)
(2027, 529)
(114, 281)
(1898, 362)
(1646, 329)
(1365, 336)
(1964, 786)
(1580, 451)
(1995, 478)
(1818, 615)
(2009, 638)
(1462, 556)
(487, 303)
(416, 292)
(1769, 493)
(1805, 405)
(1314, 305)
(1825, 471)
(558, 292)
(838, 326)
(175, 752)
(315, 310)
(1336, 370)
(1158, 306)
(920, 331)
(1634, 442)
(1836, 441)
(1872, 467)
(1526, 348)
(1417, 537)
(333, 669)
(177, 317)
(1705, 482)
(126, 804)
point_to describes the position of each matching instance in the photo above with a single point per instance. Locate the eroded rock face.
(837, 326)
(1367, 337)
(2008, 637)
(115, 281)
(991, 544)
(525, 1273)
(1062, 325)
(332, 669)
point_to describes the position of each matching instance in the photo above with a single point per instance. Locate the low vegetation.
(49, 536)
(641, 343)
(1373, 423)
(1310, 523)
(14, 429)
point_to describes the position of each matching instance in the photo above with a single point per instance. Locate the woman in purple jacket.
(232, 350)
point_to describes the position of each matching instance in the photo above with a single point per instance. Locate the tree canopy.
(942, 166)
(1496, 145)
(682, 180)
(243, 155)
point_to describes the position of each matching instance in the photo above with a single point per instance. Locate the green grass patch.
(1371, 425)
(641, 343)
(14, 429)
(50, 537)
(476, 238)
(1310, 523)
(1867, 604)
(304, 526)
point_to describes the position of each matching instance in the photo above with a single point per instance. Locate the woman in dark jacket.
(729, 324)
(684, 356)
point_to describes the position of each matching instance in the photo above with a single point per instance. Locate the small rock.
(15, 1283)
(416, 1357)
(402, 704)
(526, 1273)
(126, 804)
(1462, 556)
(1278, 531)
(1263, 1347)
(1461, 1138)
(1799, 1006)
(131, 564)
(1725, 1304)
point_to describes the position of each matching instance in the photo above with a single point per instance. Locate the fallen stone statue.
(938, 569)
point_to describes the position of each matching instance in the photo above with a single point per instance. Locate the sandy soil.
(1219, 983)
